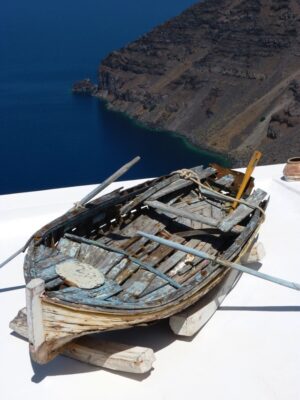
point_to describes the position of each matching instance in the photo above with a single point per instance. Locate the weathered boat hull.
(144, 281)
(63, 323)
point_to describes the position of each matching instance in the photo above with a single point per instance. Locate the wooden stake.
(252, 164)
(191, 320)
(36, 334)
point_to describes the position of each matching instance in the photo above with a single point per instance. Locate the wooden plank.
(141, 279)
(141, 221)
(116, 270)
(109, 262)
(149, 192)
(90, 254)
(242, 211)
(182, 213)
(225, 180)
(97, 352)
(91, 297)
(130, 267)
(68, 247)
(166, 266)
(183, 183)
(53, 283)
(36, 335)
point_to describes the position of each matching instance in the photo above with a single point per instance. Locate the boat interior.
(141, 273)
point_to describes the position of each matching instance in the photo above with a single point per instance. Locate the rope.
(194, 177)
(77, 206)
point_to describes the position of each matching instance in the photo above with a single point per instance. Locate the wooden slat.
(36, 334)
(68, 247)
(183, 183)
(182, 213)
(46, 269)
(242, 211)
(91, 297)
(91, 255)
(225, 180)
(149, 192)
(141, 279)
(128, 269)
(168, 265)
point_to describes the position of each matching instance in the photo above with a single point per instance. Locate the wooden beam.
(93, 351)
(36, 335)
(191, 320)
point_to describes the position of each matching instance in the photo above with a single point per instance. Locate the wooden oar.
(84, 200)
(252, 164)
(108, 181)
(217, 260)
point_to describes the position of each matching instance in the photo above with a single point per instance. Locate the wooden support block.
(191, 320)
(256, 254)
(36, 335)
(93, 351)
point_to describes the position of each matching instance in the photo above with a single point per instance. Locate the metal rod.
(125, 253)
(108, 181)
(225, 263)
(21, 250)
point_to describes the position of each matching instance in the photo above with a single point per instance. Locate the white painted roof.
(249, 349)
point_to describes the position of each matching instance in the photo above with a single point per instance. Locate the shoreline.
(188, 142)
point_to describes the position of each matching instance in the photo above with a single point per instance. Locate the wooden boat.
(92, 271)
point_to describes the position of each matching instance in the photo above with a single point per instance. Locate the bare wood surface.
(94, 351)
(182, 213)
(36, 334)
(242, 211)
(182, 183)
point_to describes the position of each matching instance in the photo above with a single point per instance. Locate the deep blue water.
(50, 138)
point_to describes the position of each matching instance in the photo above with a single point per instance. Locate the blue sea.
(51, 138)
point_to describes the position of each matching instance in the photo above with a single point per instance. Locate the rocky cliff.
(224, 73)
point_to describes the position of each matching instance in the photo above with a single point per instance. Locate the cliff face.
(224, 73)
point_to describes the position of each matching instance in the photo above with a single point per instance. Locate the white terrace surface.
(248, 350)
